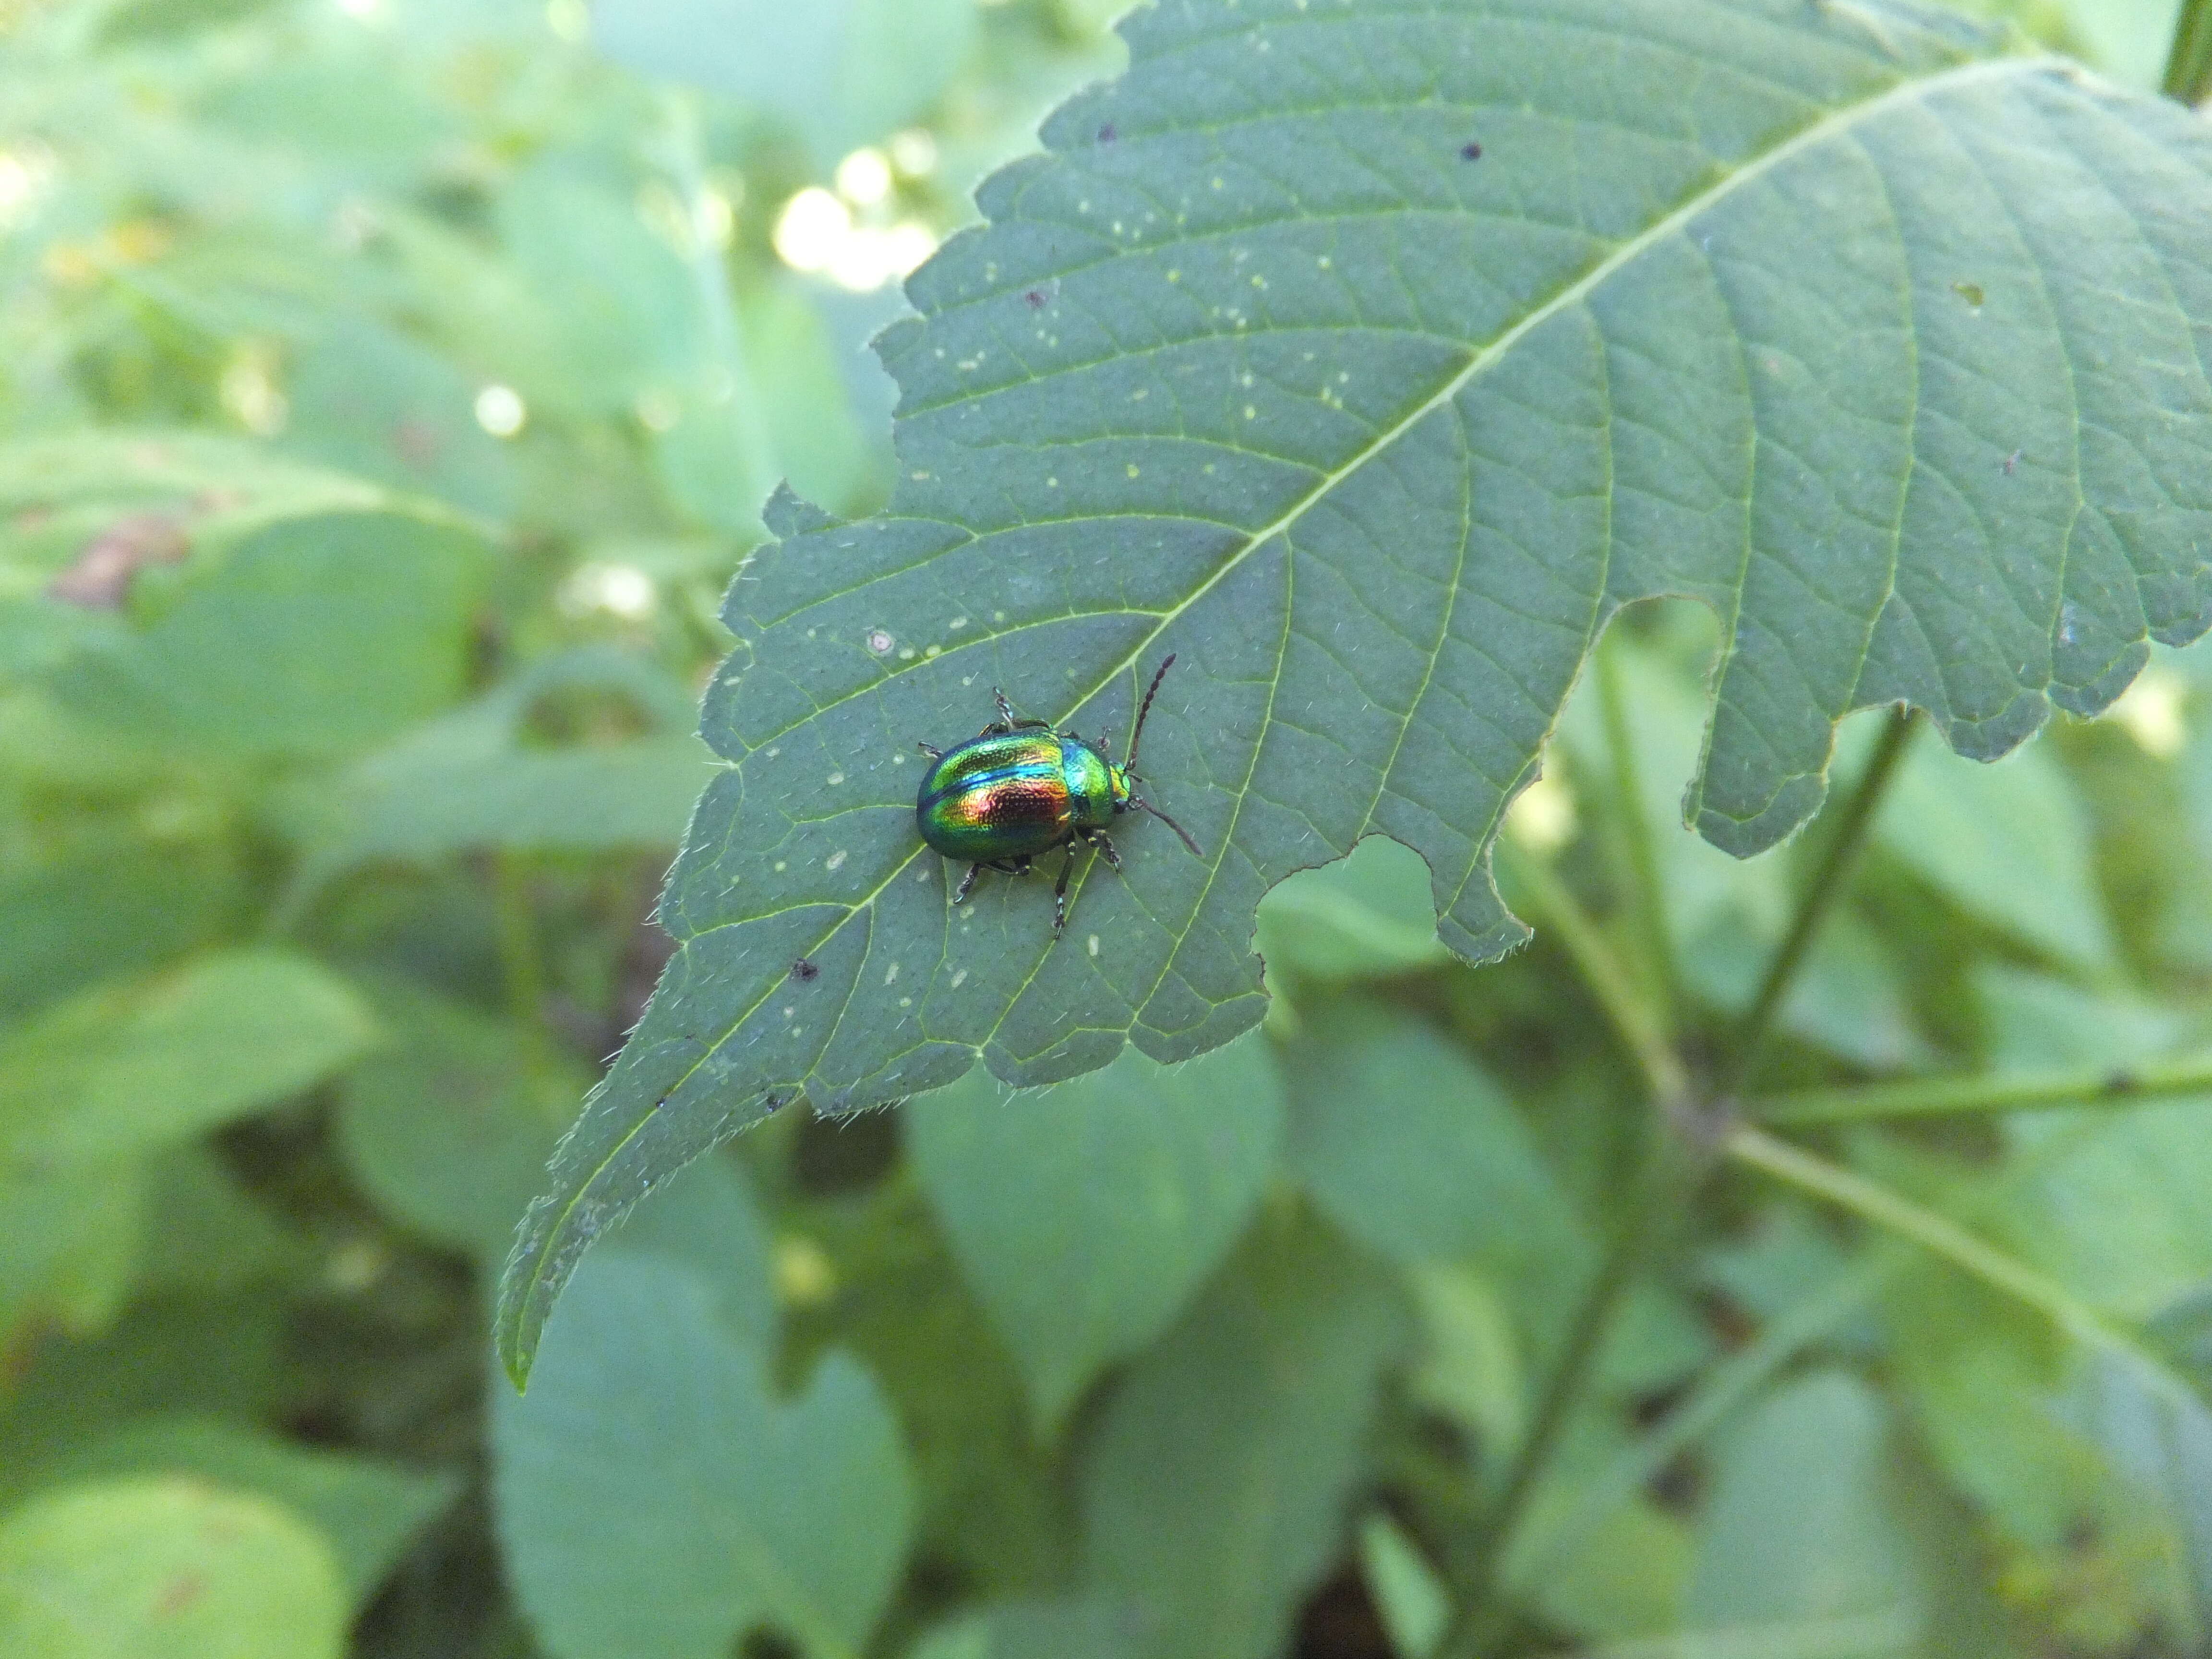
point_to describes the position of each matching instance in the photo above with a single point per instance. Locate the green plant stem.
(1933, 1096)
(1634, 832)
(1737, 1377)
(1480, 1618)
(1481, 1622)
(1829, 878)
(2189, 64)
(1618, 999)
(1937, 1234)
(522, 964)
(1717, 1395)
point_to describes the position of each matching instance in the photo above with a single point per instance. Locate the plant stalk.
(521, 964)
(1649, 902)
(1936, 1233)
(1673, 1167)
(1932, 1096)
(1829, 878)
(1480, 1618)
(1618, 998)
(2189, 64)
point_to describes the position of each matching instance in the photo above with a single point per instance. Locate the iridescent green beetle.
(1021, 787)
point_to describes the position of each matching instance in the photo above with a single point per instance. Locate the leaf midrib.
(1837, 122)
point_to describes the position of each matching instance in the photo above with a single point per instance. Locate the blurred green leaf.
(656, 1501)
(1258, 1403)
(166, 1569)
(625, 309)
(2006, 843)
(1848, 998)
(444, 791)
(449, 1126)
(1038, 1630)
(341, 108)
(1663, 699)
(1799, 1548)
(2034, 1022)
(368, 1511)
(1413, 1606)
(134, 1067)
(2127, 38)
(1086, 1215)
(1363, 917)
(369, 401)
(1982, 1376)
(820, 444)
(2120, 1209)
(61, 495)
(212, 1233)
(1628, 1577)
(1471, 1367)
(69, 1242)
(310, 636)
(1405, 1143)
(473, 779)
(707, 1220)
(220, 1355)
(109, 907)
(140, 22)
(1649, 392)
(2116, 1204)
(841, 72)
(2158, 1438)
(990, 1496)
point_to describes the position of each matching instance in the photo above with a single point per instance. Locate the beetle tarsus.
(967, 884)
(1060, 893)
(1099, 839)
(931, 750)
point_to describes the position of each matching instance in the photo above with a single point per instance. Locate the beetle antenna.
(1137, 733)
(1136, 801)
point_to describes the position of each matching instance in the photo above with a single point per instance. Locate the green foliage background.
(390, 392)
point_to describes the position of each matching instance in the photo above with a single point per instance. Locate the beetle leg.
(1006, 721)
(932, 752)
(967, 883)
(1060, 892)
(1098, 839)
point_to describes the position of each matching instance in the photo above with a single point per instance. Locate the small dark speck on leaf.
(803, 970)
(1970, 292)
(179, 1594)
(2121, 1082)
(1107, 134)
(1470, 151)
(1034, 298)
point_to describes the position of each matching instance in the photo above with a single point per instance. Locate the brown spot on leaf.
(417, 442)
(179, 1594)
(100, 576)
